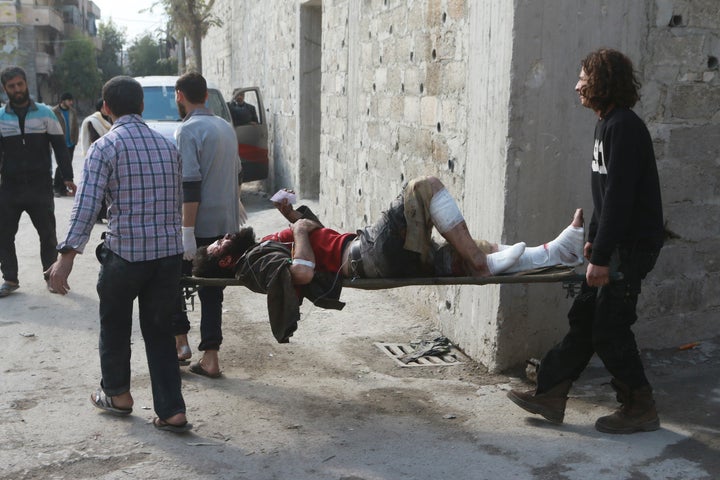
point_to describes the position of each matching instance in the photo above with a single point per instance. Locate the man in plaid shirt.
(139, 174)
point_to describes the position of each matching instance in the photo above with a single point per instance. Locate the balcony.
(42, 17)
(43, 63)
(8, 14)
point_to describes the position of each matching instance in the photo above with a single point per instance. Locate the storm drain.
(433, 353)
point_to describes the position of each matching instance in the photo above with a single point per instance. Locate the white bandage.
(444, 212)
(566, 249)
(306, 263)
(189, 243)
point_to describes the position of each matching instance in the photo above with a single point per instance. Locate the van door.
(249, 120)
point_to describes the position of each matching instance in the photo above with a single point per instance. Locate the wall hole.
(676, 21)
(438, 126)
(366, 165)
(422, 88)
(451, 165)
(359, 192)
(712, 63)
(397, 146)
(402, 177)
(380, 59)
(391, 29)
(448, 305)
(374, 87)
(444, 17)
(434, 54)
(411, 56)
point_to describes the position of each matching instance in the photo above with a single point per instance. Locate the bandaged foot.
(501, 261)
(566, 249)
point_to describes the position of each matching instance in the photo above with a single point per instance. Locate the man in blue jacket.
(626, 234)
(27, 131)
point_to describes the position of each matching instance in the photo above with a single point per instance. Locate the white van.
(161, 114)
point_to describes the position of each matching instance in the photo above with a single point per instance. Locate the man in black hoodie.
(626, 234)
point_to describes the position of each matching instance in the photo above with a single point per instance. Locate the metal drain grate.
(397, 350)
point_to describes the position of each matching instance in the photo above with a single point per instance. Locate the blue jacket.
(25, 152)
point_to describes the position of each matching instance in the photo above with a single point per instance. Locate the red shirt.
(327, 245)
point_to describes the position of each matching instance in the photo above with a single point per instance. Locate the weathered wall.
(682, 106)
(481, 95)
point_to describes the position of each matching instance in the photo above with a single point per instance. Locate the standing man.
(140, 174)
(67, 116)
(626, 234)
(27, 131)
(242, 113)
(208, 148)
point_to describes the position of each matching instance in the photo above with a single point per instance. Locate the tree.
(76, 69)
(144, 58)
(110, 58)
(192, 19)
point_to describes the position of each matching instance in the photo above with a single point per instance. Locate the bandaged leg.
(566, 249)
(501, 261)
(444, 212)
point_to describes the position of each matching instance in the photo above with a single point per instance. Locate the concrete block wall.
(481, 95)
(682, 106)
(257, 46)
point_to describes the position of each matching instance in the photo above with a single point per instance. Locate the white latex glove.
(242, 214)
(189, 243)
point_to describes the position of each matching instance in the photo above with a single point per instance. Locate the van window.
(160, 105)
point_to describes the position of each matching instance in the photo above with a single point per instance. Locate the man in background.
(27, 132)
(67, 116)
(242, 112)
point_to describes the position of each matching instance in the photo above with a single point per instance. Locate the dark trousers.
(211, 299)
(155, 284)
(37, 200)
(600, 321)
(58, 180)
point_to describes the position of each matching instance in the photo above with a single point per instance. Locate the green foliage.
(191, 19)
(76, 69)
(110, 58)
(144, 58)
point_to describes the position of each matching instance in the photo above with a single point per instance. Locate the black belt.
(355, 259)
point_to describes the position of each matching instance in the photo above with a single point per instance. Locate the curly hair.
(207, 265)
(610, 80)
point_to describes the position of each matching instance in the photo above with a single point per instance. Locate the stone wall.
(481, 95)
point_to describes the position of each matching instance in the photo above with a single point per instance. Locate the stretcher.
(565, 275)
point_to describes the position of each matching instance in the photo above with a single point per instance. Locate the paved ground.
(329, 405)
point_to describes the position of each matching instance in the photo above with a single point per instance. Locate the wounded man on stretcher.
(309, 260)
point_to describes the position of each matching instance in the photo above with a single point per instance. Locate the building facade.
(32, 34)
(363, 95)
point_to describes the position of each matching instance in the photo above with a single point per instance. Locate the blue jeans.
(600, 322)
(155, 284)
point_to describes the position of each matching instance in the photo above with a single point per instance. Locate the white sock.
(566, 249)
(500, 261)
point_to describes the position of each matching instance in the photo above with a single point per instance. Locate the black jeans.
(36, 199)
(211, 300)
(600, 321)
(155, 284)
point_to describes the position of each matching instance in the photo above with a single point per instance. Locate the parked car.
(161, 114)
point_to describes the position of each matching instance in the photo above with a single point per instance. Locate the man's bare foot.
(578, 219)
(208, 366)
(183, 349)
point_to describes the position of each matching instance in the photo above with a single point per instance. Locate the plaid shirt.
(139, 174)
